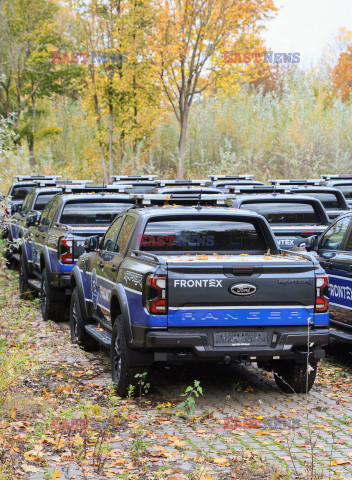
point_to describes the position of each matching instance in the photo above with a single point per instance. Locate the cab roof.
(183, 211)
(277, 197)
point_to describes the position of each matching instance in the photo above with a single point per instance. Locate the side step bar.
(99, 334)
(340, 335)
(36, 284)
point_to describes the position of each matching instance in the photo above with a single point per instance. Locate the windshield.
(92, 213)
(200, 234)
(285, 212)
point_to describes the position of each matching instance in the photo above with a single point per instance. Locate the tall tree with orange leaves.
(187, 35)
(342, 74)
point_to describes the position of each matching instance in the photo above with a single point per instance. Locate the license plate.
(240, 339)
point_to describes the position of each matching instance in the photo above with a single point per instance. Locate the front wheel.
(293, 377)
(123, 372)
(52, 303)
(79, 335)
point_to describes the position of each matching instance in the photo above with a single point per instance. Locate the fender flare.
(24, 256)
(45, 254)
(119, 292)
(76, 275)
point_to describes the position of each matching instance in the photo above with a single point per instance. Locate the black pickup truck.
(293, 218)
(51, 247)
(197, 284)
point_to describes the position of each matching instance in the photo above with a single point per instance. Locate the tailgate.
(253, 291)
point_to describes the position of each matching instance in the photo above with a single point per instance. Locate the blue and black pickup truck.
(51, 247)
(30, 211)
(21, 186)
(197, 284)
(333, 249)
(293, 218)
(345, 186)
(333, 199)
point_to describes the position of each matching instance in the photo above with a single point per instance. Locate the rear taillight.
(322, 294)
(8, 210)
(66, 250)
(156, 294)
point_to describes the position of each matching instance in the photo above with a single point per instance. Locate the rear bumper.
(191, 344)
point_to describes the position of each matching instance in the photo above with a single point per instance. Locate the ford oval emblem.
(243, 289)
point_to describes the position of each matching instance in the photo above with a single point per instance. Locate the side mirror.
(31, 220)
(15, 208)
(91, 244)
(312, 243)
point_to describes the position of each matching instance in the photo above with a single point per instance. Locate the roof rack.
(94, 188)
(117, 178)
(181, 183)
(336, 177)
(297, 181)
(21, 178)
(149, 199)
(73, 182)
(230, 177)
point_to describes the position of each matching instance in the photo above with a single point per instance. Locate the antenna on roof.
(198, 206)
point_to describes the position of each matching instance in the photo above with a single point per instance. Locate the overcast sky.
(306, 26)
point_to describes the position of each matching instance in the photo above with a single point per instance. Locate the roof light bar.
(230, 177)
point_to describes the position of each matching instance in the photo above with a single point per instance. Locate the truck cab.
(292, 218)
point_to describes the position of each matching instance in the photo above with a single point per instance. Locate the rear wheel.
(293, 377)
(79, 335)
(52, 303)
(123, 372)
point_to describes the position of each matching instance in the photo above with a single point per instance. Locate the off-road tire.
(292, 377)
(79, 335)
(52, 303)
(122, 372)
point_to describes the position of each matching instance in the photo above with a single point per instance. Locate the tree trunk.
(111, 134)
(31, 152)
(31, 141)
(122, 145)
(182, 145)
(98, 120)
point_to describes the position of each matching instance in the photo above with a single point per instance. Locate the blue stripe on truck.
(227, 317)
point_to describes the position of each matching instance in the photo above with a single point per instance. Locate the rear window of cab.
(92, 213)
(292, 213)
(202, 235)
